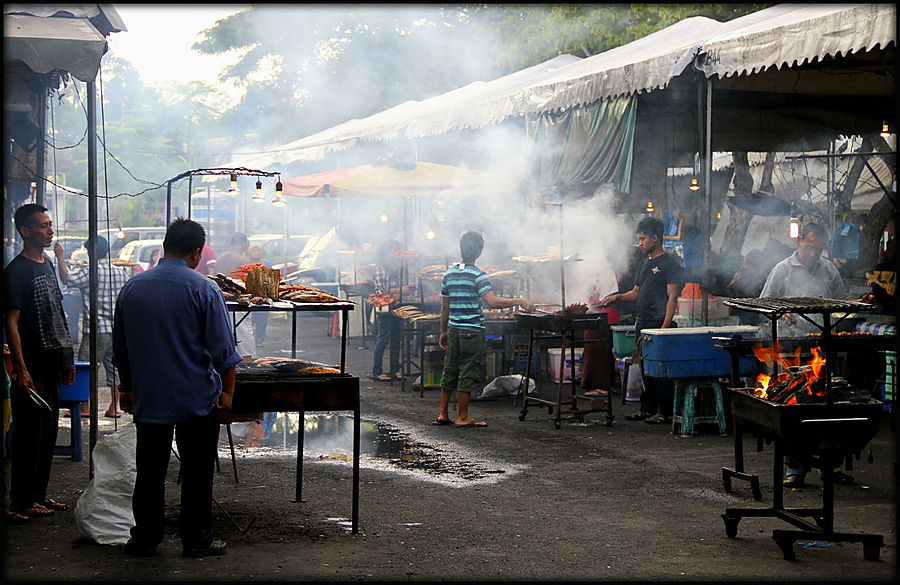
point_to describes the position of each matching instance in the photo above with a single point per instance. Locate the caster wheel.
(522, 416)
(871, 553)
(731, 526)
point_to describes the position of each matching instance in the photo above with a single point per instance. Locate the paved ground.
(519, 500)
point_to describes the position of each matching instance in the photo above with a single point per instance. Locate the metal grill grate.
(796, 305)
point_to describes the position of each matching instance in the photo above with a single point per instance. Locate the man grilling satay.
(656, 288)
(805, 274)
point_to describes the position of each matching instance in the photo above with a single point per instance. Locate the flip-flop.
(597, 392)
(381, 378)
(54, 505)
(15, 518)
(657, 419)
(32, 511)
(440, 423)
(107, 415)
(478, 424)
(638, 416)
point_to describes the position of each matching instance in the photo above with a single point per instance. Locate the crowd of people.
(172, 313)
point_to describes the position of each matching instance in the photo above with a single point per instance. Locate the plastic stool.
(75, 448)
(684, 406)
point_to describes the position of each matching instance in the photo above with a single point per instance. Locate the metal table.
(564, 329)
(293, 308)
(272, 391)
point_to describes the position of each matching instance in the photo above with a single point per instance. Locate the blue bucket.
(80, 391)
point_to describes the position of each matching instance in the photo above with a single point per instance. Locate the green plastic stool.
(684, 406)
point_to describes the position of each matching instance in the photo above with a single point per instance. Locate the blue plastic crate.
(80, 391)
(690, 352)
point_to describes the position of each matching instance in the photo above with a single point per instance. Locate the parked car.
(118, 238)
(135, 257)
(70, 244)
(273, 247)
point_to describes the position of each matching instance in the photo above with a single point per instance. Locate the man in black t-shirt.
(42, 355)
(656, 288)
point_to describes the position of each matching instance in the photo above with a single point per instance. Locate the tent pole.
(168, 202)
(92, 261)
(707, 159)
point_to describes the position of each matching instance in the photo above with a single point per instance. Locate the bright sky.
(159, 37)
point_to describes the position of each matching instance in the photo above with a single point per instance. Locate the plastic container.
(690, 352)
(553, 358)
(80, 390)
(890, 371)
(623, 340)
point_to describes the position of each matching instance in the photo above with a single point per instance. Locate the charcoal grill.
(563, 328)
(823, 432)
(260, 389)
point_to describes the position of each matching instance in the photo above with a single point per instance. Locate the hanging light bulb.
(279, 188)
(794, 228)
(649, 207)
(719, 215)
(885, 130)
(383, 218)
(694, 185)
(430, 234)
(233, 190)
(120, 235)
(258, 197)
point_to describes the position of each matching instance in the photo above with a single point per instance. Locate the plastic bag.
(506, 386)
(103, 512)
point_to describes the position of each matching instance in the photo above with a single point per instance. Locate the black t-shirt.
(653, 275)
(32, 288)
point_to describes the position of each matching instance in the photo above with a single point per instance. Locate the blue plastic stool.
(75, 448)
(684, 405)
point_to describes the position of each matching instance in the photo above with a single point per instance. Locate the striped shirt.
(464, 285)
(110, 280)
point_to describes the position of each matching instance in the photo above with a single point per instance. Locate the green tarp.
(590, 144)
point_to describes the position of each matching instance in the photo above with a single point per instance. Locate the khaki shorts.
(465, 361)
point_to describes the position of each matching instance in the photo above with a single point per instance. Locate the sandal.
(15, 517)
(639, 415)
(658, 419)
(32, 511)
(54, 505)
(381, 378)
(597, 392)
(399, 375)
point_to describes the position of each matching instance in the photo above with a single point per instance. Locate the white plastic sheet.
(103, 512)
(506, 386)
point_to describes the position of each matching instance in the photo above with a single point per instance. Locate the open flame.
(775, 362)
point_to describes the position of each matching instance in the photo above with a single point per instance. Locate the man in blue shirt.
(175, 350)
(463, 287)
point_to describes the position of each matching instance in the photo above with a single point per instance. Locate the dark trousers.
(389, 330)
(260, 322)
(34, 430)
(658, 395)
(197, 441)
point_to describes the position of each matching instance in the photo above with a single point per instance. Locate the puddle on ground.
(328, 437)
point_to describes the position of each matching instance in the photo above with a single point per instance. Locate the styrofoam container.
(553, 358)
(716, 308)
(690, 352)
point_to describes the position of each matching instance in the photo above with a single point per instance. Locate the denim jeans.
(389, 328)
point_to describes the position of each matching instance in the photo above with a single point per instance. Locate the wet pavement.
(518, 500)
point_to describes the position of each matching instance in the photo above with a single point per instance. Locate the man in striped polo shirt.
(463, 288)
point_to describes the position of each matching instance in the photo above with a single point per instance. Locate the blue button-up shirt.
(171, 337)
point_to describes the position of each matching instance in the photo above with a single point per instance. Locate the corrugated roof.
(794, 34)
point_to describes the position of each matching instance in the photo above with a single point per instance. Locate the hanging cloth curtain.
(590, 144)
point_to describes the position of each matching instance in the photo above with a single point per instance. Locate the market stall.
(805, 412)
